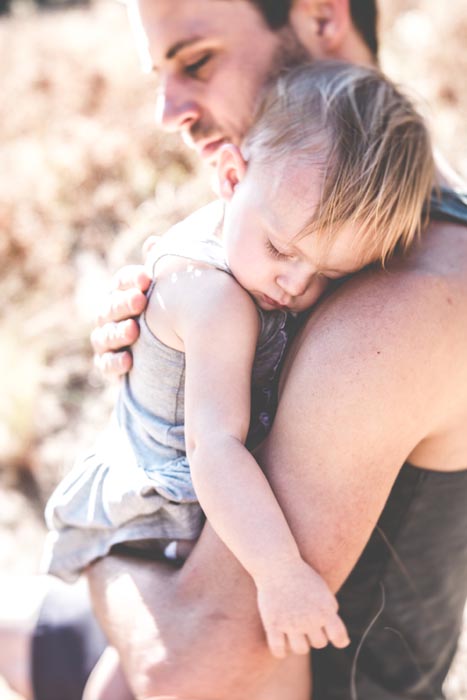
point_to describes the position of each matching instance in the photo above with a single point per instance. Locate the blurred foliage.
(85, 179)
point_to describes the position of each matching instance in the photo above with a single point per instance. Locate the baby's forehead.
(294, 184)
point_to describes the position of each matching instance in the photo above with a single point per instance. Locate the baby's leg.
(107, 681)
(141, 601)
(291, 681)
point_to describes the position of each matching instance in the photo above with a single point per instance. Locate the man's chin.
(210, 153)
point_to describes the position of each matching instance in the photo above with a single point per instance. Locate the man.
(358, 400)
(368, 451)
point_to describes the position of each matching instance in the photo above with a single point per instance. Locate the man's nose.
(176, 110)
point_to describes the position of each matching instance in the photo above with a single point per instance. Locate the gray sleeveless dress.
(135, 485)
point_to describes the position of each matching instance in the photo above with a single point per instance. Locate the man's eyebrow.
(180, 45)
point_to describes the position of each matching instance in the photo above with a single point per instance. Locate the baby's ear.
(231, 167)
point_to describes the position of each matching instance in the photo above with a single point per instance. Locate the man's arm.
(358, 394)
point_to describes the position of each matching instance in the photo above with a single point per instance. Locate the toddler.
(334, 175)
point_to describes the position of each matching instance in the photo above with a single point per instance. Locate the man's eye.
(193, 68)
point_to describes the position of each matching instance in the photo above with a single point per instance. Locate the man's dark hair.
(275, 12)
(364, 17)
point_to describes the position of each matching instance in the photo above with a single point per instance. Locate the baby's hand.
(299, 611)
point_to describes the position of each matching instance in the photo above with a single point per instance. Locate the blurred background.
(84, 179)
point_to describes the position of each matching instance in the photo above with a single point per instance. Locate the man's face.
(212, 58)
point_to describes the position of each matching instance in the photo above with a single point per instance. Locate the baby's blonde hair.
(371, 147)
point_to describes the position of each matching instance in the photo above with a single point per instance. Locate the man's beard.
(290, 53)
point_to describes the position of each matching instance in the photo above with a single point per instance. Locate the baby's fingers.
(317, 638)
(336, 632)
(298, 643)
(276, 643)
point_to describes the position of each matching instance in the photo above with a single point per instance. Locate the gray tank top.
(150, 408)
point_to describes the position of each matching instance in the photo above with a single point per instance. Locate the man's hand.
(116, 327)
(298, 611)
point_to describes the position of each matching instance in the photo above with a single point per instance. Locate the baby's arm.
(116, 325)
(219, 329)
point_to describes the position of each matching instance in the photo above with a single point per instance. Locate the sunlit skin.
(267, 209)
(358, 396)
(210, 66)
(377, 376)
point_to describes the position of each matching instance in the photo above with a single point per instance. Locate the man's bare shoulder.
(395, 336)
(427, 286)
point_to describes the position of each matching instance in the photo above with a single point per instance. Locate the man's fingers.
(113, 365)
(336, 632)
(114, 336)
(121, 305)
(131, 277)
(298, 643)
(276, 643)
(149, 244)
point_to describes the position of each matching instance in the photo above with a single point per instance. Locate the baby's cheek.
(239, 270)
(317, 289)
(320, 286)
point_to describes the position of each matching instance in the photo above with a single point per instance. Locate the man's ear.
(323, 26)
(231, 168)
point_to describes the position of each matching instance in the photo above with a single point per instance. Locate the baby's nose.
(294, 283)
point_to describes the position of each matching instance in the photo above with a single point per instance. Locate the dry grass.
(81, 163)
(84, 179)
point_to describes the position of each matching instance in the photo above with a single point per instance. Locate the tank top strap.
(448, 205)
(199, 241)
